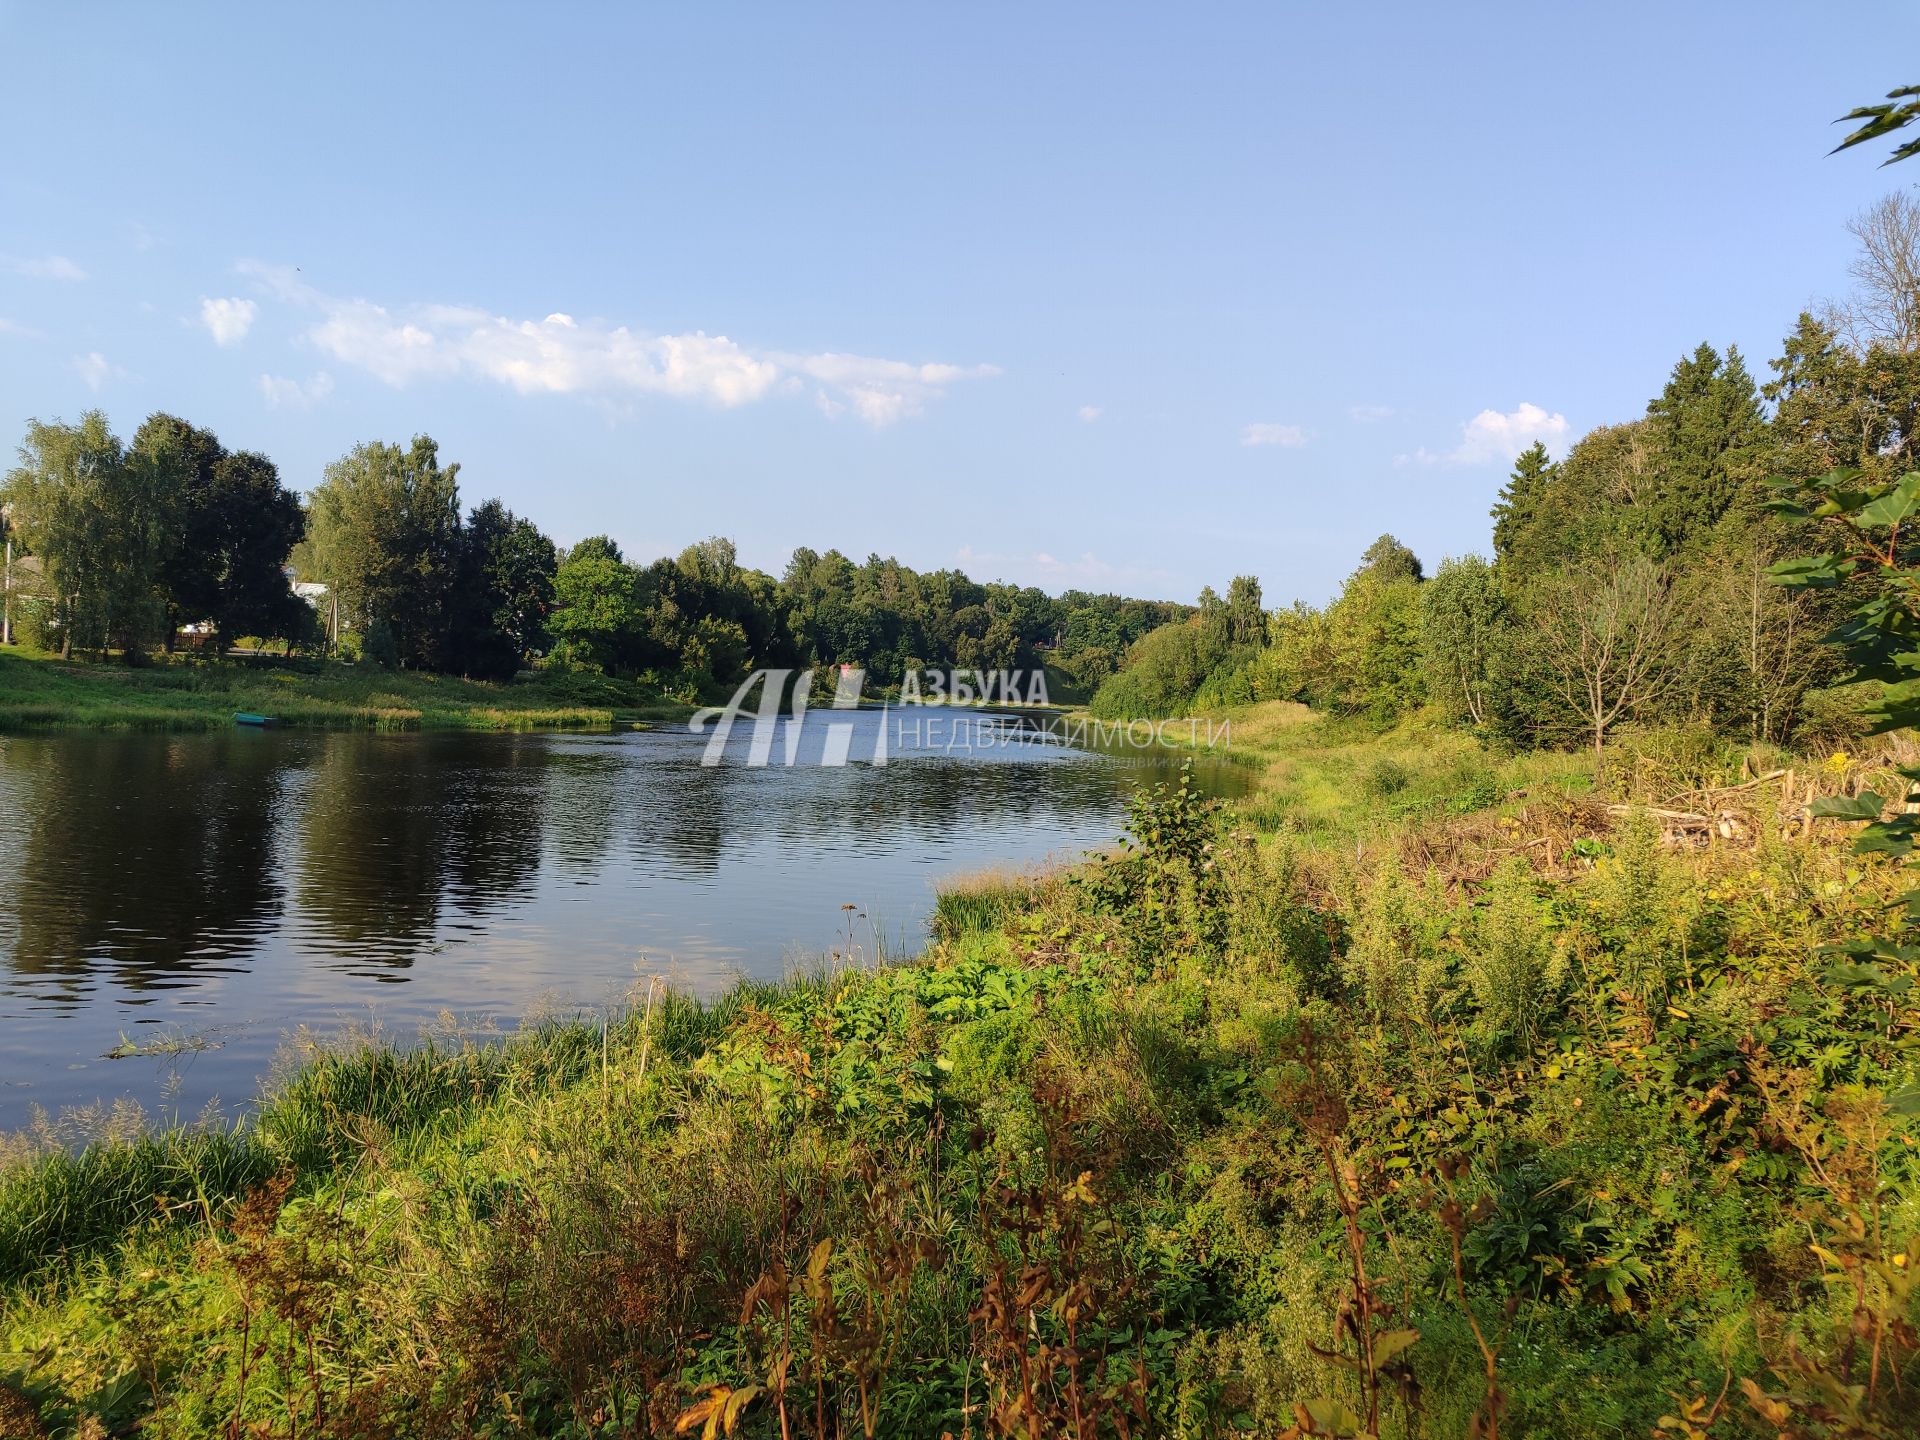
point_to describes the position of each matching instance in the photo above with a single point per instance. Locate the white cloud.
(282, 393)
(562, 355)
(1369, 414)
(228, 320)
(96, 369)
(1492, 435)
(1088, 413)
(14, 327)
(1291, 437)
(42, 267)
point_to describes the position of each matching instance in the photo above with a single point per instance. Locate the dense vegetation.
(1631, 580)
(1360, 1111)
(136, 546)
(1444, 1087)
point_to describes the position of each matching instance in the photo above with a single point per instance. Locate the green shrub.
(1384, 778)
(1512, 966)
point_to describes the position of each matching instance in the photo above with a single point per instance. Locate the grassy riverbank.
(1426, 1087)
(38, 691)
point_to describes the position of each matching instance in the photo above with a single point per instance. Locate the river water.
(207, 895)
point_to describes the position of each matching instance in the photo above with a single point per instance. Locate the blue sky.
(1125, 297)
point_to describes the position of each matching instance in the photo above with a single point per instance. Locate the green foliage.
(1518, 511)
(1387, 560)
(1394, 962)
(596, 603)
(1465, 635)
(103, 522)
(1885, 119)
(1163, 672)
(1514, 971)
(1880, 637)
(384, 530)
(1704, 437)
(503, 594)
(236, 526)
(1148, 1131)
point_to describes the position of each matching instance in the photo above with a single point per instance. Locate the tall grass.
(65, 1203)
(984, 900)
(335, 1100)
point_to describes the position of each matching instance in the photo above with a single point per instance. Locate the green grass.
(1326, 781)
(41, 692)
(1114, 1146)
(983, 901)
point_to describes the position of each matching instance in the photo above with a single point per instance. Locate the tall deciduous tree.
(1608, 635)
(236, 527)
(596, 600)
(103, 521)
(384, 527)
(1465, 626)
(1883, 312)
(503, 593)
(1387, 559)
(1246, 615)
(1758, 647)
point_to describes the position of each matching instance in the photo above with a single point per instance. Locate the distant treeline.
(125, 545)
(1629, 580)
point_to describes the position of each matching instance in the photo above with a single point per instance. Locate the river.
(208, 895)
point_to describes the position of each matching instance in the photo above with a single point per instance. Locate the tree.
(1465, 623)
(1608, 635)
(596, 603)
(1827, 411)
(503, 593)
(103, 522)
(1373, 643)
(1522, 500)
(236, 527)
(1246, 616)
(1759, 647)
(1387, 559)
(1883, 312)
(384, 527)
(1162, 673)
(1703, 431)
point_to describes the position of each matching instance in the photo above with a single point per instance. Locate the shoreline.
(1200, 1080)
(44, 695)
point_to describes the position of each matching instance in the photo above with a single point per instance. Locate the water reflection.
(143, 862)
(258, 881)
(396, 828)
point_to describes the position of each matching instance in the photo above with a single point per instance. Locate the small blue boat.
(245, 717)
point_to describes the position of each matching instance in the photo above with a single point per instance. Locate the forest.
(1630, 580)
(170, 539)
